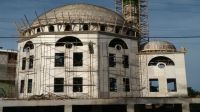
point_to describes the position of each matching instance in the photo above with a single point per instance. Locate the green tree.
(192, 92)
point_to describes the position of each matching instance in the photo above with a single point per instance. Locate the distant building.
(8, 60)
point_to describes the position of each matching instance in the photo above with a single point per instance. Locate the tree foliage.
(192, 92)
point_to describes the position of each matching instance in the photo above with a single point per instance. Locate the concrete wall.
(118, 72)
(95, 71)
(44, 71)
(176, 71)
(130, 102)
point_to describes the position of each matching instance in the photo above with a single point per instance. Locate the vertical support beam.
(130, 108)
(185, 107)
(1, 109)
(68, 108)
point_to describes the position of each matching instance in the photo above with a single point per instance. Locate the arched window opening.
(118, 47)
(38, 30)
(117, 43)
(102, 28)
(69, 41)
(28, 46)
(51, 28)
(68, 27)
(117, 29)
(160, 61)
(85, 27)
(129, 32)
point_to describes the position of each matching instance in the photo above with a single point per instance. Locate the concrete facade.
(110, 69)
(98, 41)
(130, 101)
(172, 69)
(162, 74)
(44, 71)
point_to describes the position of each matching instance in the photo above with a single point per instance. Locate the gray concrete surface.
(129, 102)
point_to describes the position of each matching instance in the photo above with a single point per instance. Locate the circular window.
(68, 45)
(161, 65)
(118, 47)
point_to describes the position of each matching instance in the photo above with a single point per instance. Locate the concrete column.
(1, 109)
(130, 108)
(185, 107)
(68, 108)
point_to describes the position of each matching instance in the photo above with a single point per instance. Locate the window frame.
(24, 63)
(126, 84)
(31, 60)
(59, 60)
(77, 61)
(51, 28)
(112, 84)
(112, 60)
(154, 87)
(77, 84)
(58, 85)
(125, 61)
(29, 87)
(22, 82)
(174, 84)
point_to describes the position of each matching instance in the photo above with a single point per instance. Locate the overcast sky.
(167, 18)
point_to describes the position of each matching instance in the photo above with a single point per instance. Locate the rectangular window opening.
(22, 86)
(58, 84)
(112, 60)
(171, 85)
(126, 84)
(23, 63)
(113, 85)
(29, 86)
(125, 61)
(59, 59)
(31, 62)
(154, 86)
(78, 59)
(77, 84)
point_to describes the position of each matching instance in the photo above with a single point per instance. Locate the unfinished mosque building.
(92, 54)
(77, 52)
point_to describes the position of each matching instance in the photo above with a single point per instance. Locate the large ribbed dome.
(158, 46)
(77, 13)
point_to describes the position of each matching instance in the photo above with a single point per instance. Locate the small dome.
(77, 13)
(158, 46)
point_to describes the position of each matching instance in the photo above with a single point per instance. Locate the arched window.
(51, 28)
(129, 32)
(85, 27)
(38, 30)
(28, 46)
(69, 41)
(117, 29)
(160, 60)
(102, 28)
(118, 44)
(68, 27)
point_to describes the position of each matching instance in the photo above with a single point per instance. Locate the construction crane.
(135, 13)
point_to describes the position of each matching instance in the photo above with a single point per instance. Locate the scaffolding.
(136, 14)
(44, 57)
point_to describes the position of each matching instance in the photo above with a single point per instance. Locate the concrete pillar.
(130, 108)
(185, 107)
(68, 108)
(1, 109)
